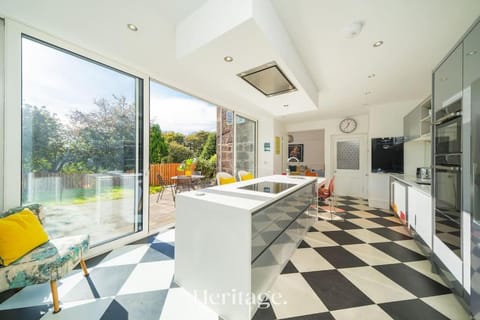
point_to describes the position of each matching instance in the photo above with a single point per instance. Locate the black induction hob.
(268, 187)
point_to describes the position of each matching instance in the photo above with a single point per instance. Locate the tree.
(158, 147)
(105, 139)
(171, 136)
(195, 141)
(43, 139)
(177, 153)
(210, 146)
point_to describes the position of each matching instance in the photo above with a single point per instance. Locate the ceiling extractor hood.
(268, 79)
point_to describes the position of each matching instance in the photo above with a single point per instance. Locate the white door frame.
(363, 158)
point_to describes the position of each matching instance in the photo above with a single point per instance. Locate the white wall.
(331, 128)
(416, 154)
(2, 107)
(268, 162)
(313, 147)
(386, 120)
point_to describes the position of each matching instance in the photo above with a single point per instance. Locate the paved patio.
(162, 213)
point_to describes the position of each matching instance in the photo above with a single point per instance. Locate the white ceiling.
(417, 34)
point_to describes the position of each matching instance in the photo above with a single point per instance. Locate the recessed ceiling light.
(371, 76)
(378, 44)
(368, 92)
(285, 105)
(132, 27)
(443, 79)
(228, 59)
(471, 53)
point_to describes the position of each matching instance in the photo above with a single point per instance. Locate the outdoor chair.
(163, 184)
(224, 178)
(245, 175)
(48, 262)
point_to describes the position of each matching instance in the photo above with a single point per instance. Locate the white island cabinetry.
(420, 214)
(232, 242)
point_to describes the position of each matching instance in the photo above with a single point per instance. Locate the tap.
(293, 158)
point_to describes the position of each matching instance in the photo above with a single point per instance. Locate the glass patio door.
(245, 144)
(81, 143)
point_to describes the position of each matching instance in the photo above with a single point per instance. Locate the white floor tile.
(29, 296)
(80, 310)
(148, 277)
(130, 257)
(363, 214)
(364, 223)
(367, 235)
(322, 225)
(371, 312)
(370, 255)
(307, 259)
(167, 236)
(292, 296)
(375, 285)
(410, 244)
(401, 229)
(182, 305)
(318, 239)
(447, 305)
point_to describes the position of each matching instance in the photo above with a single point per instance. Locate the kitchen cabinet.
(399, 200)
(417, 123)
(420, 216)
(447, 80)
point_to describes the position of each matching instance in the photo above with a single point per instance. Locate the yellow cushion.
(19, 233)
(248, 176)
(227, 180)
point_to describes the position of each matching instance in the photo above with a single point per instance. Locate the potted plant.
(187, 166)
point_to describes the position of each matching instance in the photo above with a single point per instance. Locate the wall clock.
(348, 125)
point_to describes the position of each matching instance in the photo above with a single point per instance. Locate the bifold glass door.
(81, 143)
(245, 144)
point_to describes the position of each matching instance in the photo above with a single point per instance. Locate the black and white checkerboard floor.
(366, 267)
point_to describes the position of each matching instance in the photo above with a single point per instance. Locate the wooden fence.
(166, 170)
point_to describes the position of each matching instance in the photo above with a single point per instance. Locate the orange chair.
(328, 194)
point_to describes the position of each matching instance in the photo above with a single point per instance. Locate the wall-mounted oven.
(448, 137)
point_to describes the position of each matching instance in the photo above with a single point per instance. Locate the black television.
(387, 154)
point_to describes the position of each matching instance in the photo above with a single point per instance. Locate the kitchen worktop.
(411, 181)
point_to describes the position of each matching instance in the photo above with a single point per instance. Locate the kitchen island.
(232, 241)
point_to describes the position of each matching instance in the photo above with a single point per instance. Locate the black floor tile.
(264, 314)
(346, 208)
(342, 237)
(145, 240)
(164, 248)
(5, 295)
(316, 316)
(345, 225)
(398, 252)
(380, 213)
(340, 258)
(144, 305)
(412, 280)
(411, 309)
(102, 282)
(303, 244)
(92, 262)
(289, 268)
(158, 252)
(385, 222)
(335, 291)
(390, 234)
(115, 311)
(30, 313)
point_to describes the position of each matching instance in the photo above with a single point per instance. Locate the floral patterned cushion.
(50, 261)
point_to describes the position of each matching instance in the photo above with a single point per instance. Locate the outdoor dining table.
(186, 182)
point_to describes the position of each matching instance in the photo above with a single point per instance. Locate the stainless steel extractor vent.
(268, 79)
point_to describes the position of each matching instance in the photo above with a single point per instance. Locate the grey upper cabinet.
(417, 123)
(411, 124)
(447, 80)
(471, 61)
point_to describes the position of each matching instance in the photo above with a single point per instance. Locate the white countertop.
(411, 181)
(231, 195)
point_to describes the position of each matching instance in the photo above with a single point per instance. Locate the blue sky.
(63, 83)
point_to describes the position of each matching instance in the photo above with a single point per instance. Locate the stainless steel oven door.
(448, 138)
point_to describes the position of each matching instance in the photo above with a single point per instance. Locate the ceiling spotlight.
(471, 53)
(377, 44)
(228, 59)
(371, 76)
(285, 105)
(443, 79)
(132, 27)
(368, 92)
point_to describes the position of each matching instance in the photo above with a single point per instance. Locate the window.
(81, 143)
(245, 144)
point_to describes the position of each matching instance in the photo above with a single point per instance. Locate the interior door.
(350, 165)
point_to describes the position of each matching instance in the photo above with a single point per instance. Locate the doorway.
(349, 158)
